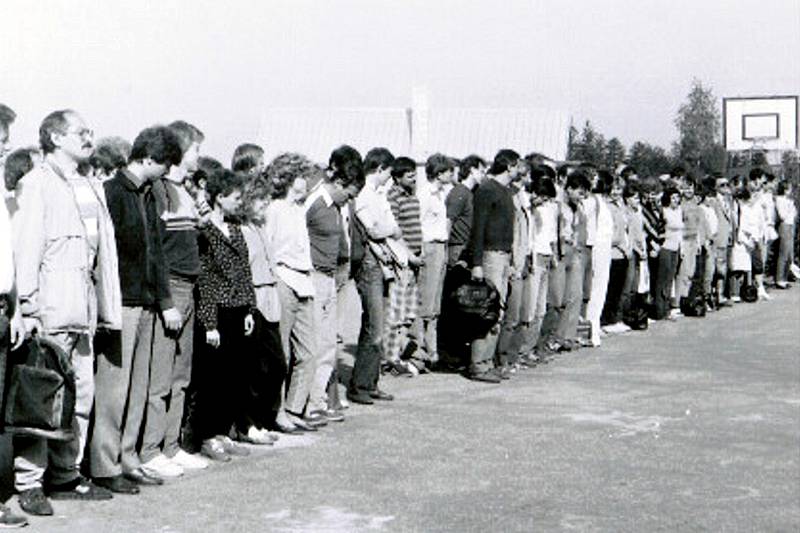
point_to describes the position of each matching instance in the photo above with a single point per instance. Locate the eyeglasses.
(85, 133)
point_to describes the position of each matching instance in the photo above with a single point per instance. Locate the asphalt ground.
(692, 426)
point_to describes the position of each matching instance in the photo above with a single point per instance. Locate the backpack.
(748, 293)
(40, 397)
(635, 317)
(695, 303)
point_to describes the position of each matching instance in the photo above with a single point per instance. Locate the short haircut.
(159, 143)
(55, 122)
(246, 157)
(744, 192)
(544, 187)
(709, 186)
(7, 115)
(18, 163)
(402, 166)
(346, 166)
(467, 164)
(631, 189)
(188, 134)
(756, 173)
(677, 171)
(376, 159)
(110, 154)
(504, 160)
(578, 180)
(669, 191)
(605, 180)
(437, 164)
(223, 182)
(650, 185)
(285, 168)
(783, 187)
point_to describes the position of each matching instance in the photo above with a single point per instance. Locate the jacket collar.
(130, 180)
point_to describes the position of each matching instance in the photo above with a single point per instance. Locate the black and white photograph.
(415, 266)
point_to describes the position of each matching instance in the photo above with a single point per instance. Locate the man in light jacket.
(65, 262)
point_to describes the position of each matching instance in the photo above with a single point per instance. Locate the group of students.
(200, 306)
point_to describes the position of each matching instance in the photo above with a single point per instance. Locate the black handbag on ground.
(40, 399)
(748, 293)
(635, 317)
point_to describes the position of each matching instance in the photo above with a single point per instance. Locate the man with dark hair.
(110, 154)
(435, 234)
(459, 206)
(123, 371)
(61, 233)
(327, 194)
(372, 270)
(172, 354)
(403, 303)
(491, 242)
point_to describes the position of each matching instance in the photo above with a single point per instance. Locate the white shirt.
(289, 246)
(546, 233)
(590, 208)
(786, 209)
(433, 214)
(711, 220)
(375, 213)
(751, 222)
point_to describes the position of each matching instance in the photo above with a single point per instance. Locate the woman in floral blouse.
(225, 306)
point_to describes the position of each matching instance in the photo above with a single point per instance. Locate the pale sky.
(624, 64)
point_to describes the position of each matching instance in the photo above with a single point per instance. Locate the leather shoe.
(378, 394)
(117, 484)
(299, 422)
(360, 397)
(140, 478)
(485, 377)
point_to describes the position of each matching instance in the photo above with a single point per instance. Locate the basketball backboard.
(763, 122)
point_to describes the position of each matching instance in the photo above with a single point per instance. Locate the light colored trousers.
(33, 455)
(121, 384)
(431, 285)
(326, 323)
(299, 340)
(495, 269)
(601, 268)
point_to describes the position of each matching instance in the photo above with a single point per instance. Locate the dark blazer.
(143, 272)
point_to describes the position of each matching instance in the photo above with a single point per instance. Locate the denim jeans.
(495, 269)
(372, 289)
(431, 284)
(509, 341)
(572, 264)
(32, 456)
(169, 377)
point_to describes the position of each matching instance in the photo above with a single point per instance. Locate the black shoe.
(34, 501)
(140, 478)
(79, 489)
(378, 394)
(485, 377)
(9, 520)
(360, 397)
(117, 484)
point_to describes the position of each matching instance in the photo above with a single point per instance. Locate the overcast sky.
(624, 64)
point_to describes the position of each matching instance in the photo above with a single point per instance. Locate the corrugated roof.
(456, 132)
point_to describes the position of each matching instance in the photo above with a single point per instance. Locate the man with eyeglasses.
(722, 202)
(66, 266)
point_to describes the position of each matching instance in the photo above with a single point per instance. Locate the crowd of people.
(199, 306)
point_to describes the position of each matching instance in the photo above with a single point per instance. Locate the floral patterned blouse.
(225, 280)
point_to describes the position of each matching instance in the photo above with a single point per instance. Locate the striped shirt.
(406, 211)
(179, 220)
(653, 222)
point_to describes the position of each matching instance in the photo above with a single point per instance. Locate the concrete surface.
(693, 426)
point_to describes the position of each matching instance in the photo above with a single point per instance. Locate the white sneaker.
(188, 461)
(160, 466)
(762, 295)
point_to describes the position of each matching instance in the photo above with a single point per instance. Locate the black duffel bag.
(40, 392)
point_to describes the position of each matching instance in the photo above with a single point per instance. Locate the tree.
(590, 146)
(614, 153)
(790, 165)
(572, 143)
(649, 160)
(698, 123)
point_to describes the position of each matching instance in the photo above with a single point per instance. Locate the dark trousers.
(220, 374)
(612, 309)
(6, 447)
(371, 288)
(665, 275)
(265, 370)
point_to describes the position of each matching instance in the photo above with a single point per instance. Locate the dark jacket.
(143, 272)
